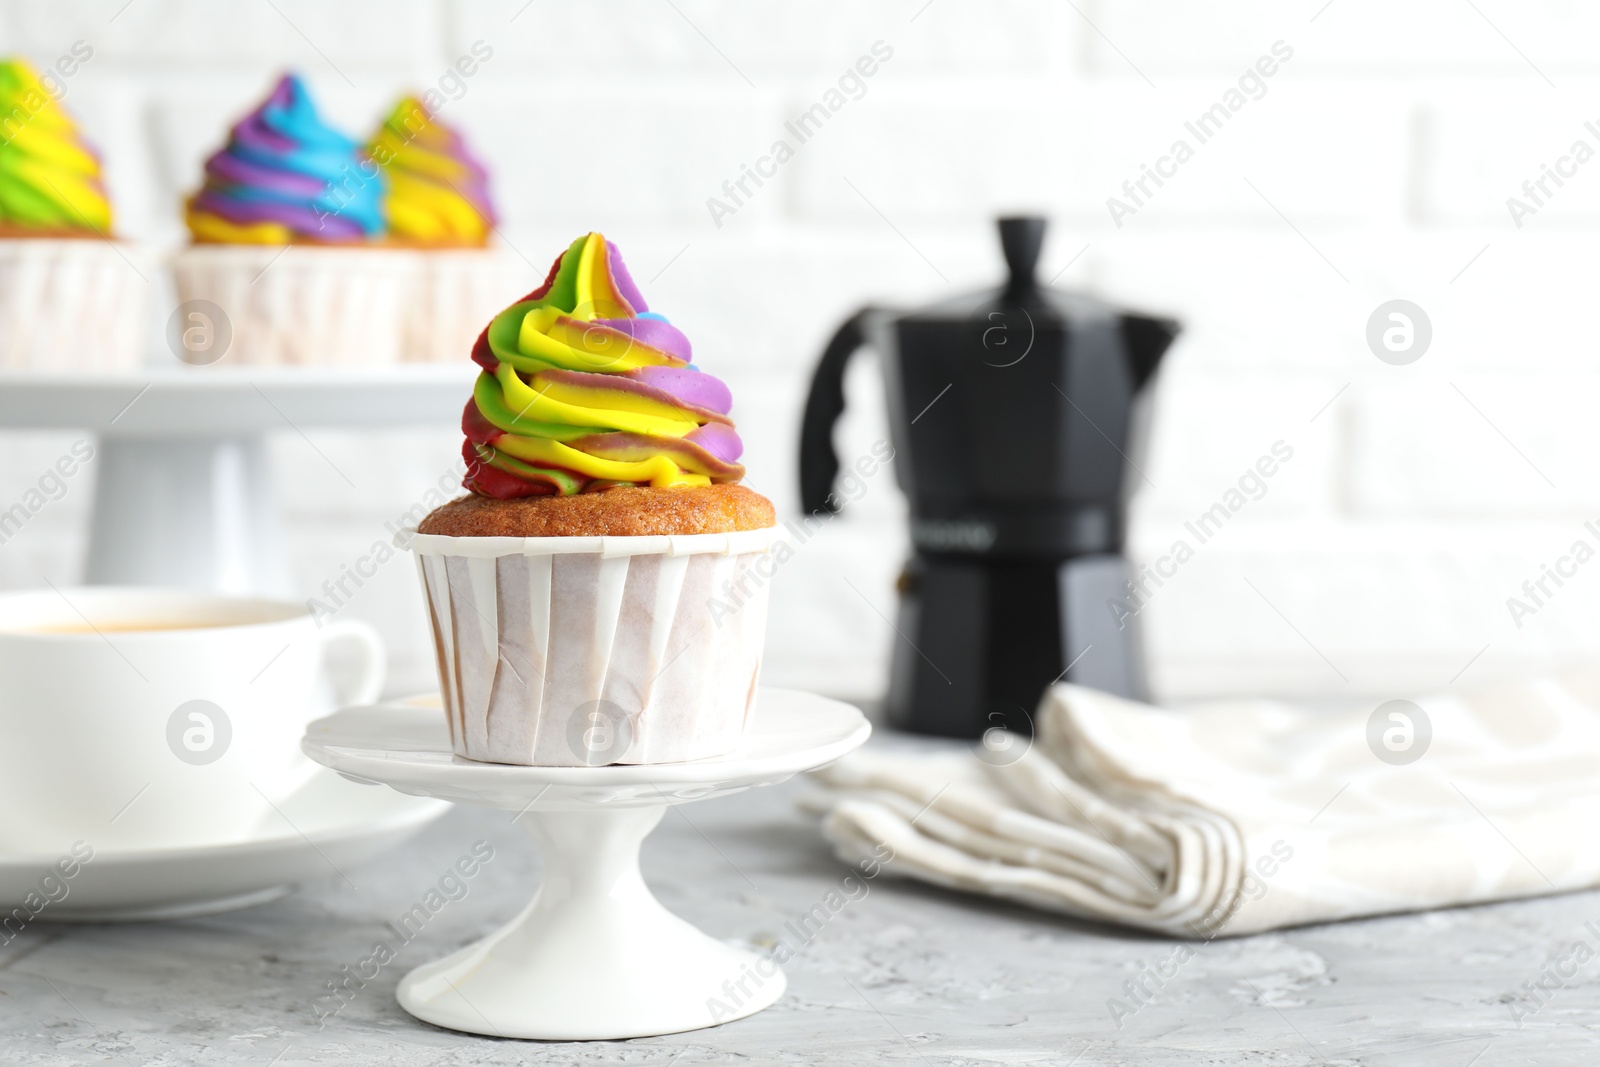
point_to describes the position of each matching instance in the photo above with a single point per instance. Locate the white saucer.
(594, 956)
(332, 827)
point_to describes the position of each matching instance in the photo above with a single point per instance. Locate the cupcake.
(69, 295)
(600, 594)
(438, 202)
(288, 241)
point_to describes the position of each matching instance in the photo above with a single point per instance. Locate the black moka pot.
(1009, 413)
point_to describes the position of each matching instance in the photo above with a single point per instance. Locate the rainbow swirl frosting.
(284, 177)
(49, 178)
(438, 190)
(584, 388)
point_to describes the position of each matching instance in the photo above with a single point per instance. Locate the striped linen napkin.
(1239, 817)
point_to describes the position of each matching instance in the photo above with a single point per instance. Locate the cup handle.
(375, 660)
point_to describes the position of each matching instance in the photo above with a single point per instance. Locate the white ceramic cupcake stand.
(594, 956)
(183, 492)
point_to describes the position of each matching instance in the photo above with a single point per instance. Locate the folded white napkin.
(1240, 817)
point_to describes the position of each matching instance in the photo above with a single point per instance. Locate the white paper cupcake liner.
(587, 651)
(456, 293)
(71, 304)
(304, 305)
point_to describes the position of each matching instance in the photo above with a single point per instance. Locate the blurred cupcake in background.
(438, 202)
(70, 297)
(438, 191)
(288, 234)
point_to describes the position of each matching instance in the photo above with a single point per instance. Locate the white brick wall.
(1389, 142)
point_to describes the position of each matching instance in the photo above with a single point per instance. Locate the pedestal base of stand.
(196, 512)
(183, 496)
(595, 956)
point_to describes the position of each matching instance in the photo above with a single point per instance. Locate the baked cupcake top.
(50, 181)
(584, 388)
(438, 190)
(622, 511)
(286, 177)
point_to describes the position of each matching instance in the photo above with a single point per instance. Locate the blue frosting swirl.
(286, 175)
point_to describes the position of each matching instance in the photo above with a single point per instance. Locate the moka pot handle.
(819, 464)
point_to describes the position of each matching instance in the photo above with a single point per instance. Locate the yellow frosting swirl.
(438, 192)
(49, 178)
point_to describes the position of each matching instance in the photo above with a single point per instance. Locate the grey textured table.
(901, 974)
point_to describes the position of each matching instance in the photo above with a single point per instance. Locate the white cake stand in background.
(594, 956)
(183, 494)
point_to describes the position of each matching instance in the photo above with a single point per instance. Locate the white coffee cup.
(138, 719)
